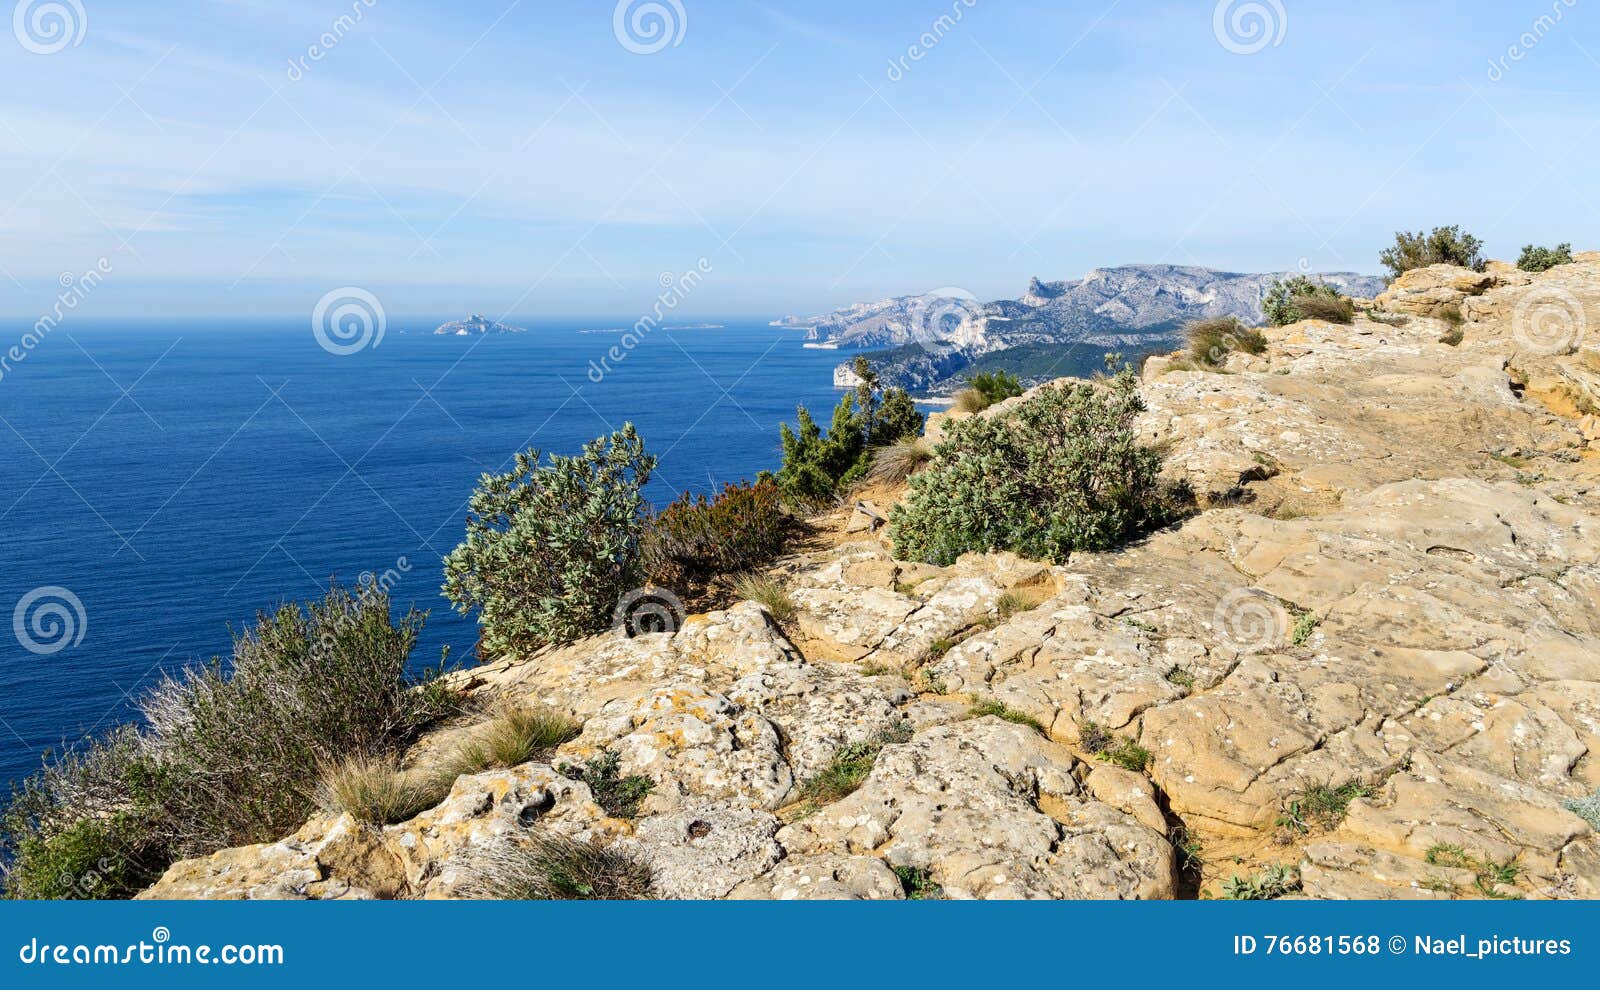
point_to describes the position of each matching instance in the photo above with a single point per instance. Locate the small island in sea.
(476, 324)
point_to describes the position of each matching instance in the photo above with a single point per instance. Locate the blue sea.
(161, 481)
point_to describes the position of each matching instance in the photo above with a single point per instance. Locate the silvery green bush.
(551, 548)
(1063, 471)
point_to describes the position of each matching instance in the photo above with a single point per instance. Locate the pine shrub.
(1443, 246)
(1542, 259)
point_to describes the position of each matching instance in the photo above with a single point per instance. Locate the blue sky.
(519, 158)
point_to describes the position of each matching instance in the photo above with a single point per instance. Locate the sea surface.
(161, 481)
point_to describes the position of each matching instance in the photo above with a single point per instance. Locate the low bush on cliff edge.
(985, 389)
(695, 538)
(1300, 298)
(229, 755)
(552, 548)
(1542, 259)
(1063, 471)
(554, 867)
(1211, 341)
(1441, 246)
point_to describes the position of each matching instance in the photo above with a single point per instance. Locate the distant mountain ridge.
(934, 336)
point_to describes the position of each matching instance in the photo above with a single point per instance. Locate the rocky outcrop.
(1391, 590)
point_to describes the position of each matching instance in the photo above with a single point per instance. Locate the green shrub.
(918, 883)
(1299, 298)
(1212, 340)
(551, 549)
(1586, 808)
(1063, 471)
(818, 466)
(695, 539)
(1126, 754)
(995, 386)
(1443, 246)
(229, 756)
(619, 796)
(1542, 259)
(1270, 884)
(553, 867)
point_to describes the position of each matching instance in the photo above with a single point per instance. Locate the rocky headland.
(1368, 665)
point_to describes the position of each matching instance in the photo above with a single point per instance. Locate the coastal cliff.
(1368, 666)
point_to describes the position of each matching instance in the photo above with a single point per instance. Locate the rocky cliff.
(1369, 666)
(932, 337)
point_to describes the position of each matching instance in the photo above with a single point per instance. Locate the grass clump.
(1300, 298)
(768, 592)
(617, 795)
(1269, 884)
(1211, 341)
(1111, 748)
(990, 706)
(551, 867)
(519, 734)
(1062, 471)
(1322, 805)
(1442, 246)
(918, 883)
(1542, 259)
(1181, 676)
(850, 766)
(893, 463)
(1489, 875)
(374, 790)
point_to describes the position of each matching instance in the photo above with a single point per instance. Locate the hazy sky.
(539, 158)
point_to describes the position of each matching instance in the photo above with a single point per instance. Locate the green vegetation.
(551, 549)
(1299, 298)
(985, 388)
(850, 766)
(1322, 805)
(1269, 884)
(619, 796)
(553, 867)
(228, 756)
(767, 591)
(1443, 246)
(1211, 341)
(1112, 748)
(1542, 259)
(817, 466)
(695, 539)
(990, 706)
(1490, 875)
(1586, 808)
(1181, 676)
(1010, 604)
(1304, 624)
(918, 883)
(1063, 471)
